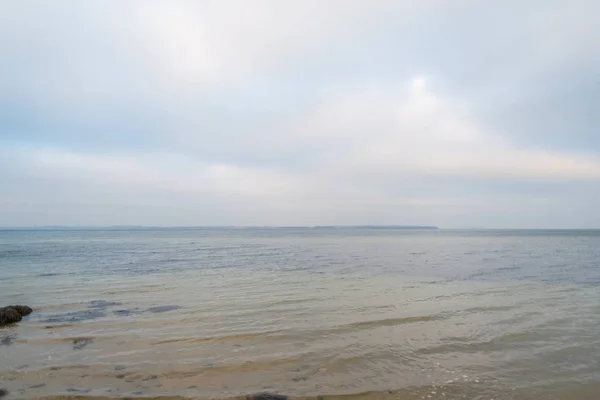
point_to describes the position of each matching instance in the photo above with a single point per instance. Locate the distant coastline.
(378, 227)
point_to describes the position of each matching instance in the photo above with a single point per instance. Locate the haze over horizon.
(197, 113)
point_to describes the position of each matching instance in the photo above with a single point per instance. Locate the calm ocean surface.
(346, 313)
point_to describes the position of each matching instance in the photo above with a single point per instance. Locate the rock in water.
(266, 396)
(23, 310)
(9, 315)
(3, 392)
(12, 314)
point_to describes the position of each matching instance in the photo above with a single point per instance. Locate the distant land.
(140, 227)
(377, 227)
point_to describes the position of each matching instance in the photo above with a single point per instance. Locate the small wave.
(394, 321)
(225, 339)
(242, 367)
(67, 367)
(58, 326)
(500, 343)
(488, 309)
(75, 339)
(510, 268)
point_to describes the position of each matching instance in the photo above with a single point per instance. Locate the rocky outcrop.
(266, 396)
(13, 314)
(23, 310)
(9, 315)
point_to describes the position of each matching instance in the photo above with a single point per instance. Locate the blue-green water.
(222, 312)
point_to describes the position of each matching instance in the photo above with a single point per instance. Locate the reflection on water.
(360, 313)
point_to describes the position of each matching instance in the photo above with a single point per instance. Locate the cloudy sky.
(286, 112)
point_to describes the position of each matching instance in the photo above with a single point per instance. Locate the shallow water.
(306, 312)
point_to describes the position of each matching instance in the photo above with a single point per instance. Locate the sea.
(311, 313)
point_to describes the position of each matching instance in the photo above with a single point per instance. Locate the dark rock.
(3, 392)
(9, 315)
(12, 314)
(161, 309)
(119, 367)
(80, 343)
(120, 376)
(23, 310)
(266, 396)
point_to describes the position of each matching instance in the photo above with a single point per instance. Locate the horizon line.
(362, 226)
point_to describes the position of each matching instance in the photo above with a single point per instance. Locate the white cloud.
(412, 129)
(216, 42)
(373, 145)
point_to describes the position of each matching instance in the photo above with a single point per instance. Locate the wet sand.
(450, 392)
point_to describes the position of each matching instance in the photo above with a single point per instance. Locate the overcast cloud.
(234, 112)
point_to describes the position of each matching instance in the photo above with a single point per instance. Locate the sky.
(285, 112)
